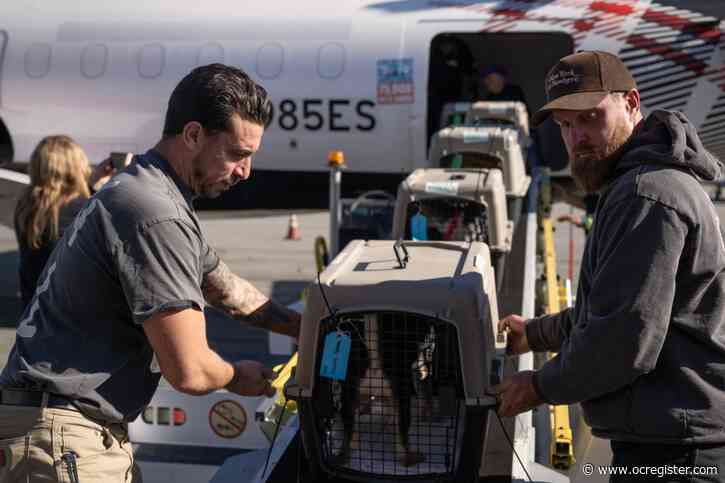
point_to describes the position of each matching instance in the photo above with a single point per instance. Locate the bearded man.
(643, 349)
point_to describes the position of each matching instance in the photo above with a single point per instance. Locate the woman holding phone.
(61, 181)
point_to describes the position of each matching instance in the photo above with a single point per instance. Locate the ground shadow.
(232, 341)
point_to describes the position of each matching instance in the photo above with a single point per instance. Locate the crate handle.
(402, 262)
(372, 195)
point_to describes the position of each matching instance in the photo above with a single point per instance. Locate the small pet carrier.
(454, 114)
(501, 113)
(455, 205)
(483, 147)
(473, 147)
(396, 353)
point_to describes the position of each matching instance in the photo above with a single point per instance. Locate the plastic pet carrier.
(485, 147)
(396, 352)
(454, 114)
(455, 205)
(499, 113)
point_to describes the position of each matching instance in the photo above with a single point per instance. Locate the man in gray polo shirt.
(129, 281)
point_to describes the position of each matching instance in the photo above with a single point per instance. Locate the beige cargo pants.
(62, 445)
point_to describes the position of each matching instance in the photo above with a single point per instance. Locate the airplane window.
(151, 59)
(93, 61)
(270, 58)
(331, 61)
(37, 60)
(210, 53)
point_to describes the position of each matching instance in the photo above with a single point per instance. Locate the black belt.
(22, 397)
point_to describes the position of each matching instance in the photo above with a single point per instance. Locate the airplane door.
(3, 45)
(456, 60)
(417, 41)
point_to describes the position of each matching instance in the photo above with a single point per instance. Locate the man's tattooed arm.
(240, 300)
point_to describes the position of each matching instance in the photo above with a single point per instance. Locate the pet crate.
(485, 147)
(500, 113)
(455, 205)
(396, 353)
(454, 114)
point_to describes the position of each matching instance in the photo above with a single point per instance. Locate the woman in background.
(61, 181)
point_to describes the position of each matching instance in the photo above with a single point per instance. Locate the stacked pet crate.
(455, 205)
(510, 114)
(396, 353)
(454, 114)
(495, 135)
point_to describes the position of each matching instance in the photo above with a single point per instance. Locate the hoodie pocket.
(654, 413)
(611, 412)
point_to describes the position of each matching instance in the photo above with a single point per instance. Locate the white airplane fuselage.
(351, 76)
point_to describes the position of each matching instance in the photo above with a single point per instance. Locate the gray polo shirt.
(135, 249)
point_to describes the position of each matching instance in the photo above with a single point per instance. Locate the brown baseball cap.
(580, 81)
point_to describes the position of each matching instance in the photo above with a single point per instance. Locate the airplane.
(367, 77)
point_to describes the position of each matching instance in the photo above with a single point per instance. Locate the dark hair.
(211, 95)
(495, 69)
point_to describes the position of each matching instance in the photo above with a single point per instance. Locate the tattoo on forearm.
(231, 294)
(275, 317)
(240, 300)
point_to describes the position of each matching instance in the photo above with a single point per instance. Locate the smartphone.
(120, 160)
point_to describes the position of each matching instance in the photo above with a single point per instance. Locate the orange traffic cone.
(293, 229)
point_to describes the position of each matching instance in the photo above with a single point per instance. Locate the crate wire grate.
(469, 160)
(450, 219)
(400, 409)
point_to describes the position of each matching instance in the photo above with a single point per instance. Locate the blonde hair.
(59, 172)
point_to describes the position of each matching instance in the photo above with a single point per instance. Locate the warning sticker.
(442, 187)
(471, 136)
(227, 419)
(395, 81)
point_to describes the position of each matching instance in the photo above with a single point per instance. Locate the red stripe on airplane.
(510, 13)
(707, 33)
(615, 8)
(583, 25)
(665, 51)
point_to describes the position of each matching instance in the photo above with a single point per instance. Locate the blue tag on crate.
(419, 227)
(335, 355)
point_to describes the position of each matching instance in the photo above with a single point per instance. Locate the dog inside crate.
(399, 410)
(447, 218)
